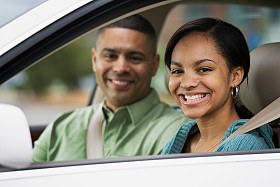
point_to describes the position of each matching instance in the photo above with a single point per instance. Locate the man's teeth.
(119, 82)
(194, 97)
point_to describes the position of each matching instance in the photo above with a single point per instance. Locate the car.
(45, 30)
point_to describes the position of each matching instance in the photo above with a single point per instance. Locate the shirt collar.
(138, 109)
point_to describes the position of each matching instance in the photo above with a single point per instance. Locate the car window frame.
(64, 31)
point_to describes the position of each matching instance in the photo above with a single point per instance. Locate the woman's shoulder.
(248, 141)
(176, 144)
(260, 138)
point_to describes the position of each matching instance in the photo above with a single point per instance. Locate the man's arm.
(41, 146)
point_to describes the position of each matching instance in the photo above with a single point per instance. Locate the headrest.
(263, 79)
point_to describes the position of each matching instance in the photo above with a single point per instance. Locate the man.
(135, 121)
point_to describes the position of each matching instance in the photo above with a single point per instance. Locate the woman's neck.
(214, 126)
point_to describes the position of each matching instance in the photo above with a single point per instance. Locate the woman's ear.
(237, 76)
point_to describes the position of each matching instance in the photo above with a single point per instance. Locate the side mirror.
(15, 138)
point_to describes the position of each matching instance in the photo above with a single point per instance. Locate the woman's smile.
(193, 99)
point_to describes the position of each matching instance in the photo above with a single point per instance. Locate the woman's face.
(200, 79)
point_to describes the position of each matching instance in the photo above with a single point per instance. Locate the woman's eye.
(205, 69)
(176, 71)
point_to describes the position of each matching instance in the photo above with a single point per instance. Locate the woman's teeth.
(194, 97)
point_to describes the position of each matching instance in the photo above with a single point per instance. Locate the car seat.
(263, 86)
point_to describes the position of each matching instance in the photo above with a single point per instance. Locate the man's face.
(124, 64)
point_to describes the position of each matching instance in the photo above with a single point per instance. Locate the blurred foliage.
(63, 68)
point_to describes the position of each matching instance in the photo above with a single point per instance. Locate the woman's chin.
(192, 115)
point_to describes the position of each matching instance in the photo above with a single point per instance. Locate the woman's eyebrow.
(198, 62)
(176, 63)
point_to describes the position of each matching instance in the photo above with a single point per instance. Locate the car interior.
(262, 79)
(261, 88)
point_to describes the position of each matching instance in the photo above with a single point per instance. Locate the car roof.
(43, 15)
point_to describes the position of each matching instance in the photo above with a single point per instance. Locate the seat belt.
(94, 135)
(266, 115)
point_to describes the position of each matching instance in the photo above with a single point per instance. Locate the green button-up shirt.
(142, 128)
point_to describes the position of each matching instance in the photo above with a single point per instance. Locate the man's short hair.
(137, 23)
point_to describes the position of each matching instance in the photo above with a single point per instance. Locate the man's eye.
(110, 57)
(204, 70)
(136, 59)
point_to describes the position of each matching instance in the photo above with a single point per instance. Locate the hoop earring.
(234, 91)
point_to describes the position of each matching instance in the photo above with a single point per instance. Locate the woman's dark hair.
(228, 41)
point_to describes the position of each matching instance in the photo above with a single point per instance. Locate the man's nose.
(121, 65)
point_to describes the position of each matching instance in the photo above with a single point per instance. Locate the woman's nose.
(189, 80)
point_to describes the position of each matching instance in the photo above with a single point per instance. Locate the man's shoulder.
(169, 110)
(74, 117)
(165, 116)
(75, 112)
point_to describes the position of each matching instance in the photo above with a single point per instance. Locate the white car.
(32, 35)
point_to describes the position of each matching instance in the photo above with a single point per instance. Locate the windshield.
(9, 10)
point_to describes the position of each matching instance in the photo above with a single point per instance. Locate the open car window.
(63, 80)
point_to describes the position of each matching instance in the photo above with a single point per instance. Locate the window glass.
(259, 25)
(58, 83)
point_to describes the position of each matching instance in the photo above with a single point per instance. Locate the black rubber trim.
(63, 31)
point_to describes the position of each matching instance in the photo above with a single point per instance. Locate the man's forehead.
(125, 38)
(122, 50)
(117, 33)
(119, 29)
(122, 39)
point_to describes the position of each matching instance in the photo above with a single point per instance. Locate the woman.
(208, 59)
